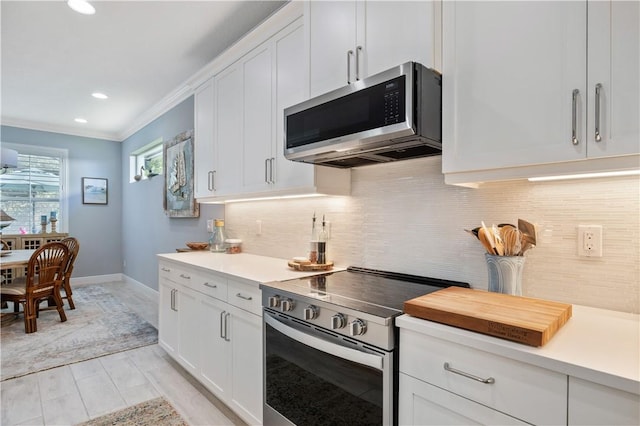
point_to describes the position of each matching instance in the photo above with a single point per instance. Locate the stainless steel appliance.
(331, 346)
(393, 115)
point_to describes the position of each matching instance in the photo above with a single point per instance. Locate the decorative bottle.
(216, 243)
(323, 237)
(313, 242)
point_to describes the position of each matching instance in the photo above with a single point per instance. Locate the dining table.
(15, 258)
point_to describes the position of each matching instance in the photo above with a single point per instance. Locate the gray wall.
(97, 227)
(146, 230)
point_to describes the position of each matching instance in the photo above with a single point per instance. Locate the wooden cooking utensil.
(482, 236)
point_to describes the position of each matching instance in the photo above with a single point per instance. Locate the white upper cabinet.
(258, 122)
(203, 140)
(239, 118)
(516, 99)
(614, 70)
(291, 87)
(228, 130)
(350, 40)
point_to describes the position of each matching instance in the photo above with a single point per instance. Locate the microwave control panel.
(392, 102)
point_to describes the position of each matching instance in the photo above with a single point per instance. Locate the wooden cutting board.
(520, 319)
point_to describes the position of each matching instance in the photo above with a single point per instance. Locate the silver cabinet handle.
(210, 285)
(222, 327)
(241, 296)
(272, 179)
(266, 170)
(186, 277)
(226, 327)
(488, 381)
(213, 180)
(166, 269)
(358, 50)
(173, 299)
(597, 108)
(574, 116)
(349, 55)
(210, 180)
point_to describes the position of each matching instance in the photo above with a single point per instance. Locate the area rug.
(100, 325)
(151, 413)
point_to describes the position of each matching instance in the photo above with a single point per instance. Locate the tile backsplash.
(402, 217)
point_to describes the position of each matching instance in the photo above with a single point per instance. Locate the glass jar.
(234, 245)
(217, 240)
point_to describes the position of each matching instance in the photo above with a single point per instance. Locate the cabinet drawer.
(422, 404)
(211, 285)
(168, 272)
(521, 390)
(244, 296)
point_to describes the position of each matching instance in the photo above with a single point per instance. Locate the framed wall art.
(95, 190)
(179, 198)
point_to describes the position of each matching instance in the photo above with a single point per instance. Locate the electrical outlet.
(590, 240)
(209, 225)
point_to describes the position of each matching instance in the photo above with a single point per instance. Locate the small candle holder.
(53, 225)
(43, 224)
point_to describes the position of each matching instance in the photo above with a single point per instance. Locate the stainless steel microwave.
(390, 116)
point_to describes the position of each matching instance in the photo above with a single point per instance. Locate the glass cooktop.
(379, 293)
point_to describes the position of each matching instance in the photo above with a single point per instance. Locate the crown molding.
(67, 130)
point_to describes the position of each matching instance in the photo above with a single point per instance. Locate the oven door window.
(309, 386)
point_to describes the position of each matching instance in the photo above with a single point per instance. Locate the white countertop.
(260, 269)
(595, 344)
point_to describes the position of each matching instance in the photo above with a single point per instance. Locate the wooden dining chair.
(74, 247)
(45, 274)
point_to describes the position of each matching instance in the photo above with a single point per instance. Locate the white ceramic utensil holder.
(505, 274)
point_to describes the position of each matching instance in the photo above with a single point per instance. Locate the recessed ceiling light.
(81, 6)
(99, 95)
(80, 120)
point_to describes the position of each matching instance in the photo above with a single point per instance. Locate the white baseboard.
(101, 279)
(96, 279)
(145, 288)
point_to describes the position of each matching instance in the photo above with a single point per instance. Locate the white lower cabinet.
(595, 404)
(423, 404)
(188, 327)
(168, 317)
(459, 384)
(212, 326)
(215, 372)
(245, 334)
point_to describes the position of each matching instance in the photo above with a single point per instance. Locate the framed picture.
(95, 190)
(179, 198)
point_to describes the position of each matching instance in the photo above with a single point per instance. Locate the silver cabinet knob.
(338, 321)
(286, 305)
(357, 327)
(274, 301)
(310, 312)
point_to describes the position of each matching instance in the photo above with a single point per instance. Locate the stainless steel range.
(331, 346)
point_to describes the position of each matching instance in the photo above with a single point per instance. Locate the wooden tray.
(310, 266)
(519, 319)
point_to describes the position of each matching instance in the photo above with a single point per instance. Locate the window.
(34, 189)
(147, 161)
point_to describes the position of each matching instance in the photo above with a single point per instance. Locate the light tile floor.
(78, 392)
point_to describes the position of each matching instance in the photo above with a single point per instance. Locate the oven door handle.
(352, 355)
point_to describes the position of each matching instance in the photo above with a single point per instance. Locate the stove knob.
(357, 327)
(274, 301)
(338, 321)
(310, 312)
(287, 305)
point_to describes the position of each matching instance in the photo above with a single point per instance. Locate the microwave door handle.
(358, 50)
(352, 355)
(349, 54)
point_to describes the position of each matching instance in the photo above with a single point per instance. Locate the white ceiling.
(136, 52)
